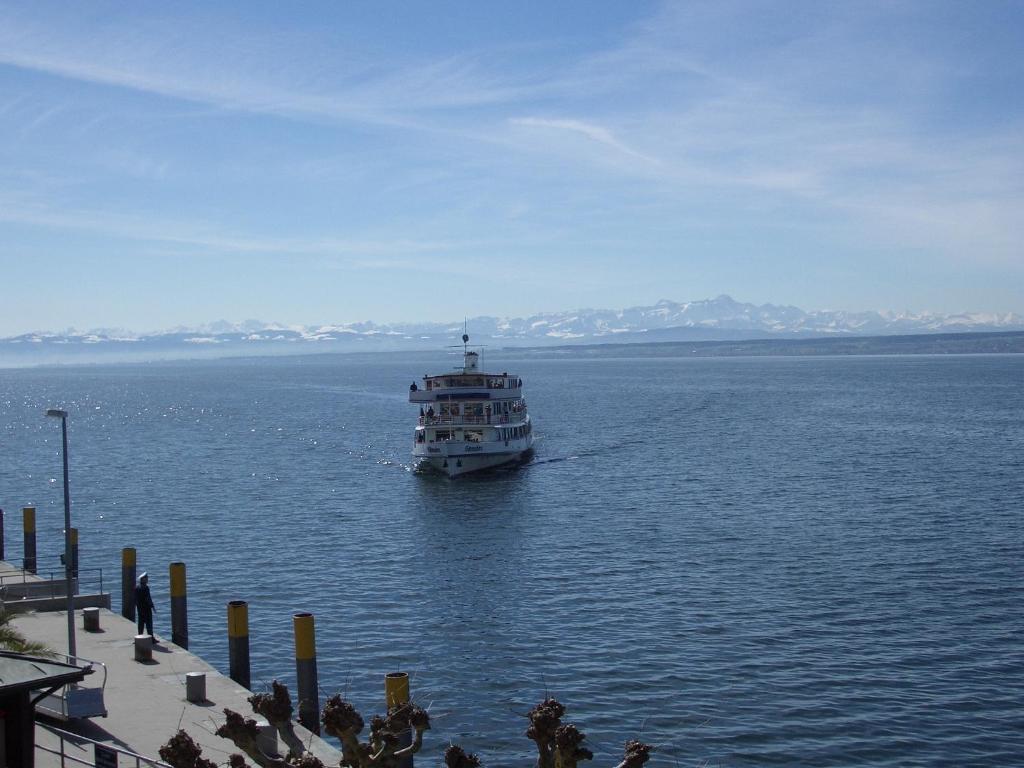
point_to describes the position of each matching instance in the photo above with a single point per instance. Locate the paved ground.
(146, 702)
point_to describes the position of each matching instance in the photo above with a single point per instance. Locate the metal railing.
(497, 419)
(51, 583)
(77, 700)
(80, 743)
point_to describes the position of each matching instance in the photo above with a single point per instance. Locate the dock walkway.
(146, 702)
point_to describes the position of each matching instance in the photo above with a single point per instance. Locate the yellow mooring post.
(179, 606)
(238, 642)
(74, 553)
(305, 671)
(396, 696)
(128, 583)
(28, 517)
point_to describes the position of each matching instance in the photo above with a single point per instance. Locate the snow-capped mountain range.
(721, 318)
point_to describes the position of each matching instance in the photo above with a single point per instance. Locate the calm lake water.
(746, 562)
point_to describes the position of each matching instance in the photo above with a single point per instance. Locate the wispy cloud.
(787, 119)
(257, 73)
(594, 133)
(368, 253)
(853, 127)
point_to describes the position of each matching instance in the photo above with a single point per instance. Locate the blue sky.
(167, 164)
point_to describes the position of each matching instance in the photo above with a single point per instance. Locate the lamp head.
(57, 413)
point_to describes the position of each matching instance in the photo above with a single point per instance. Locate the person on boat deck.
(144, 605)
(430, 411)
(413, 387)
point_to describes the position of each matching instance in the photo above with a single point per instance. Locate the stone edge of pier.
(145, 702)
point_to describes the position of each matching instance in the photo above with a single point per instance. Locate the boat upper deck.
(469, 383)
(475, 386)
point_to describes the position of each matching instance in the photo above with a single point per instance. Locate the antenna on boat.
(471, 362)
(467, 364)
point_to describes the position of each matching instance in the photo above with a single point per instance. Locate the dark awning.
(20, 672)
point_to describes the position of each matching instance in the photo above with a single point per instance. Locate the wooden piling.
(128, 583)
(74, 553)
(3, 555)
(179, 606)
(28, 518)
(305, 671)
(238, 642)
(396, 695)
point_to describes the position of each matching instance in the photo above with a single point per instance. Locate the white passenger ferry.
(469, 419)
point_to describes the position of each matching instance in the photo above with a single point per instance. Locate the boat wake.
(553, 460)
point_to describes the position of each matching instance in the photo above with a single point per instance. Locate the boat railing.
(461, 420)
(459, 381)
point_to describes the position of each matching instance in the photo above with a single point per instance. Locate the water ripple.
(745, 562)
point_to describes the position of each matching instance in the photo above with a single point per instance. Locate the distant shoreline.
(993, 342)
(966, 343)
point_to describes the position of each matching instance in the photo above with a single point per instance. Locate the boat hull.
(453, 462)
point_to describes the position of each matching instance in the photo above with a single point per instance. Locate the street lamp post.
(68, 565)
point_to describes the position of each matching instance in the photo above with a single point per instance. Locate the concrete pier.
(145, 702)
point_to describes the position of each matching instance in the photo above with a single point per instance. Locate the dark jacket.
(143, 600)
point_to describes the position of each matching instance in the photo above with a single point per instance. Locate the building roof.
(19, 672)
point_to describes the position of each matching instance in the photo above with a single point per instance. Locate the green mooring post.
(238, 642)
(396, 696)
(128, 583)
(305, 671)
(179, 606)
(28, 519)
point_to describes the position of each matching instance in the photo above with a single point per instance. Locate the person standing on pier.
(144, 605)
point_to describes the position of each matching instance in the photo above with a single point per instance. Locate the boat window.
(443, 434)
(473, 435)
